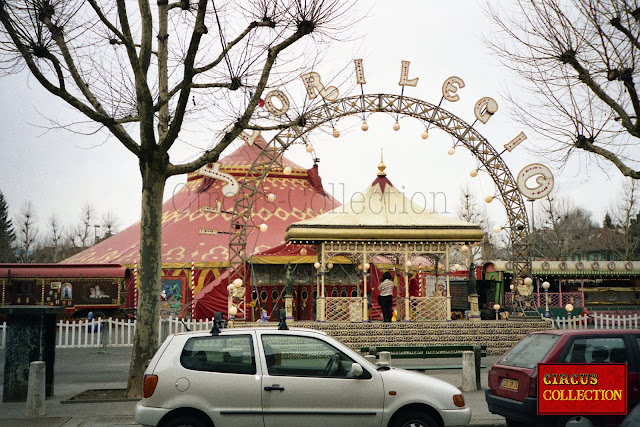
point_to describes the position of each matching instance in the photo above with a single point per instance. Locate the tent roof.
(382, 213)
(185, 224)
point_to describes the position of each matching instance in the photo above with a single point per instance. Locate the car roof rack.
(218, 323)
(282, 326)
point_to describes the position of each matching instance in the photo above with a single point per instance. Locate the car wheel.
(577, 421)
(415, 419)
(185, 421)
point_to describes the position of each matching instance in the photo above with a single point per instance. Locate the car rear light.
(533, 385)
(458, 400)
(149, 385)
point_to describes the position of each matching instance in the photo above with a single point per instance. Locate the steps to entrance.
(498, 336)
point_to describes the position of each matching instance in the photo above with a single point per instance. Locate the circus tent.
(195, 224)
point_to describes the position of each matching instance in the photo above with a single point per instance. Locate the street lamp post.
(496, 307)
(545, 286)
(569, 308)
(513, 297)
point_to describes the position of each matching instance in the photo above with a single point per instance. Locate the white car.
(298, 377)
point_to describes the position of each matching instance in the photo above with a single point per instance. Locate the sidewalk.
(82, 369)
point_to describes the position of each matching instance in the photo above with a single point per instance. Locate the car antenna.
(217, 323)
(282, 326)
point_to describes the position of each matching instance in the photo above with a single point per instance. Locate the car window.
(596, 350)
(302, 356)
(231, 354)
(529, 351)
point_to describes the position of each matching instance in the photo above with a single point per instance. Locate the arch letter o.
(271, 107)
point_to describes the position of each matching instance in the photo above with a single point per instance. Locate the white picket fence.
(119, 333)
(111, 332)
(598, 321)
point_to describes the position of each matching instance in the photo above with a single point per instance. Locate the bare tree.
(624, 243)
(577, 59)
(470, 210)
(109, 224)
(561, 229)
(146, 72)
(56, 236)
(81, 234)
(27, 232)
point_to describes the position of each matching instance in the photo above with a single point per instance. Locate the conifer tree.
(7, 235)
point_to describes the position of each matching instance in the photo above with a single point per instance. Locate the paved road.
(78, 370)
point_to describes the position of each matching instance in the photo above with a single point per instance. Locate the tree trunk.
(145, 340)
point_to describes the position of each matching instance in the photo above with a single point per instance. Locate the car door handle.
(274, 388)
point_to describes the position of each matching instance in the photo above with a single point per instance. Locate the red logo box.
(582, 389)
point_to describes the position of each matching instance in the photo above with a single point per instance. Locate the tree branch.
(232, 43)
(179, 86)
(108, 23)
(108, 121)
(584, 76)
(243, 121)
(146, 19)
(60, 92)
(587, 145)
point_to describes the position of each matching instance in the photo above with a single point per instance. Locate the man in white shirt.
(385, 299)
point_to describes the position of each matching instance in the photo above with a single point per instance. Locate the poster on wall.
(172, 298)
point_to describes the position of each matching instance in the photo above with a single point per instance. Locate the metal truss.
(433, 115)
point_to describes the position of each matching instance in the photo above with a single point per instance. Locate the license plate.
(509, 384)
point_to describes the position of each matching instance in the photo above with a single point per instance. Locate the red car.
(512, 380)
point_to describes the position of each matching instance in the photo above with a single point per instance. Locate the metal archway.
(435, 115)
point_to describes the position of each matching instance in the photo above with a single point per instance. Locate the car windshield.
(529, 351)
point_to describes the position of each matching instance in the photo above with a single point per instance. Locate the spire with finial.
(381, 166)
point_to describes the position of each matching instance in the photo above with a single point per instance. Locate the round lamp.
(233, 311)
(546, 285)
(263, 227)
(452, 151)
(230, 287)
(497, 229)
(287, 170)
(303, 251)
(488, 199)
(237, 283)
(271, 197)
(528, 281)
(396, 126)
(316, 265)
(425, 134)
(464, 249)
(473, 173)
(336, 133)
(496, 307)
(364, 126)
(309, 148)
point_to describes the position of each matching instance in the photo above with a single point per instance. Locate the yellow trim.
(309, 259)
(386, 234)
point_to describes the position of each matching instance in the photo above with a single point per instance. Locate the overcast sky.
(58, 171)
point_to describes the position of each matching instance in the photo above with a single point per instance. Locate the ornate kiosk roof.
(383, 213)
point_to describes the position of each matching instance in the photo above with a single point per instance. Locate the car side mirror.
(356, 370)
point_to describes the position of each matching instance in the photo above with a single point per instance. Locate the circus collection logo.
(582, 388)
